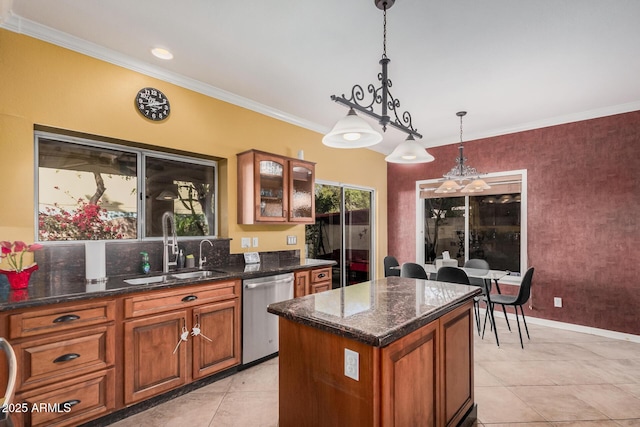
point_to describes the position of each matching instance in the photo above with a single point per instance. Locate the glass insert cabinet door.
(272, 180)
(301, 182)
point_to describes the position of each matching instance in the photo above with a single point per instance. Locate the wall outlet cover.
(351, 364)
(245, 242)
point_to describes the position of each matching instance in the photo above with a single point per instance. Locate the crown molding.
(30, 28)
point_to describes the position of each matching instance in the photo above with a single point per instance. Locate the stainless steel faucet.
(202, 259)
(169, 242)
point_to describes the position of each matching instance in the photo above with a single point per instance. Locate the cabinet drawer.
(157, 302)
(65, 355)
(40, 321)
(320, 275)
(77, 400)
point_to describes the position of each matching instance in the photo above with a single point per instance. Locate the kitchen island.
(389, 352)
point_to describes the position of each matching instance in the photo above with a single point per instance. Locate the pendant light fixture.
(409, 151)
(354, 132)
(461, 172)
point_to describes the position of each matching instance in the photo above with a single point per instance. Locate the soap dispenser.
(181, 259)
(145, 267)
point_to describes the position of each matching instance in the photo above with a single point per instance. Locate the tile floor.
(561, 378)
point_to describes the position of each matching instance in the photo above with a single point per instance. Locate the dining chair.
(457, 275)
(413, 271)
(516, 301)
(6, 400)
(389, 262)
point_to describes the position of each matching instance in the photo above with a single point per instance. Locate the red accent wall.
(583, 210)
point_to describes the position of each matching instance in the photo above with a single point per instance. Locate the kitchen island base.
(424, 378)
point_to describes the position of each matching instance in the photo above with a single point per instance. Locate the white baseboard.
(572, 327)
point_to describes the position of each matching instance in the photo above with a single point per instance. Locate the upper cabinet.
(275, 189)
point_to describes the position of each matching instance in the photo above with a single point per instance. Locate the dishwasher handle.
(263, 284)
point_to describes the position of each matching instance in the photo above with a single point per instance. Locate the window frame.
(420, 207)
(141, 154)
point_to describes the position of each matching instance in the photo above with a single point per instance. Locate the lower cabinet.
(195, 334)
(312, 281)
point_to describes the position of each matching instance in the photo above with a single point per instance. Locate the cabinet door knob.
(66, 357)
(189, 298)
(66, 318)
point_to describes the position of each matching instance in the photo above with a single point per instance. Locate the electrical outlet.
(351, 364)
(292, 240)
(245, 242)
(557, 302)
(255, 242)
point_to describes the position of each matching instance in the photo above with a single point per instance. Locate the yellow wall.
(48, 85)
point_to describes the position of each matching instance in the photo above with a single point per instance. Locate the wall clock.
(153, 104)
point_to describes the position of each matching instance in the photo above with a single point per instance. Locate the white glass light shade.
(162, 53)
(409, 151)
(351, 132)
(476, 186)
(448, 186)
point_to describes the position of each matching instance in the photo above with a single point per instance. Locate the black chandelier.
(354, 132)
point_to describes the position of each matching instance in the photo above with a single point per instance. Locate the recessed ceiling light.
(161, 53)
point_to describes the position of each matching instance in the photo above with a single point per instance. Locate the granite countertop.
(53, 287)
(378, 312)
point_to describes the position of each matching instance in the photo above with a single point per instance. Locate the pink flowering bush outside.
(87, 222)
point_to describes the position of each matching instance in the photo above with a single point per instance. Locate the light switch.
(255, 242)
(245, 242)
(292, 240)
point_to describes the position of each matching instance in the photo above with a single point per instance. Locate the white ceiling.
(512, 64)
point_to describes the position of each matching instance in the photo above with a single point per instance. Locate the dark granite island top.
(378, 312)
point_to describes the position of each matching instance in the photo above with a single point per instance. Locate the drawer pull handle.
(69, 403)
(189, 298)
(66, 357)
(321, 275)
(66, 318)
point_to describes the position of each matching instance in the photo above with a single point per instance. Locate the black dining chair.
(457, 275)
(389, 262)
(413, 271)
(517, 301)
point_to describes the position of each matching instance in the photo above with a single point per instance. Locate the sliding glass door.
(343, 231)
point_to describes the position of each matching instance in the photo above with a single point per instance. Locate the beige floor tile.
(598, 423)
(610, 400)
(614, 349)
(247, 409)
(629, 423)
(193, 410)
(499, 405)
(483, 378)
(633, 389)
(220, 386)
(262, 377)
(558, 403)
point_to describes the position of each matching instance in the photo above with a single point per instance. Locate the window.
(487, 225)
(94, 190)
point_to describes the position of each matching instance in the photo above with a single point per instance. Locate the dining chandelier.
(353, 131)
(462, 172)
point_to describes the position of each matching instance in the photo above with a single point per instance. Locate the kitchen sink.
(145, 280)
(196, 274)
(201, 274)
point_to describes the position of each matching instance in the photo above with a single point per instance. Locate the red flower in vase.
(14, 253)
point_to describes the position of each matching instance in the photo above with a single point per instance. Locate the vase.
(19, 279)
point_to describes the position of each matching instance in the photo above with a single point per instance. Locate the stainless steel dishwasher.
(259, 327)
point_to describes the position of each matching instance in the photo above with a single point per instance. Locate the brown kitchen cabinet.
(66, 357)
(320, 280)
(312, 281)
(275, 189)
(154, 362)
